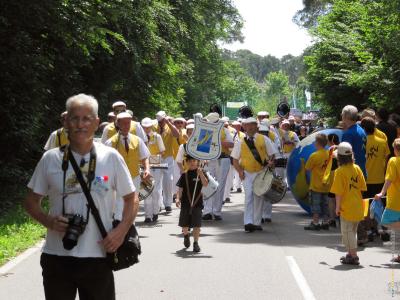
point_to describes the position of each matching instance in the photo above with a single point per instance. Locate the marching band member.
(59, 137)
(289, 140)
(112, 128)
(239, 134)
(156, 148)
(250, 154)
(180, 157)
(168, 132)
(134, 152)
(229, 179)
(219, 169)
(262, 115)
(180, 124)
(264, 129)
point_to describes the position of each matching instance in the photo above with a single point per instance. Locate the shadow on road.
(184, 253)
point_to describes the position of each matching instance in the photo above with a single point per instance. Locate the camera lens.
(76, 226)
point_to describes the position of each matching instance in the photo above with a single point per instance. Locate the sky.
(269, 29)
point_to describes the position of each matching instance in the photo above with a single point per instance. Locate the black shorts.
(187, 219)
(63, 276)
(372, 190)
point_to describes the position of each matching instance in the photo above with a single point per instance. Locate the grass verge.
(18, 232)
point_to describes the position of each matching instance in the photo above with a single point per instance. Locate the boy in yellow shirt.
(316, 164)
(348, 185)
(391, 215)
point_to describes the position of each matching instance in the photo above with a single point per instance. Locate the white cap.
(240, 120)
(235, 123)
(118, 103)
(264, 125)
(199, 114)
(124, 115)
(190, 121)
(180, 119)
(147, 122)
(262, 113)
(111, 114)
(285, 122)
(161, 115)
(344, 148)
(212, 117)
(225, 119)
(190, 126)
(249, 120)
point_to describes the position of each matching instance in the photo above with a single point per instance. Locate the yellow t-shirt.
(393, 193)
(317, 163)
(377, 151)
(380, 134)
(349, 182)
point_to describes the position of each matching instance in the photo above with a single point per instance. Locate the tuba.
(283, 110)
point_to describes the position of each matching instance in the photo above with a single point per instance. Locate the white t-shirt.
(143, 150)
(112, 175)
(271, 149)
(139, 132)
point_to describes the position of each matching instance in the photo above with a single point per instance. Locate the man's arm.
(174, 130)
(32, 205)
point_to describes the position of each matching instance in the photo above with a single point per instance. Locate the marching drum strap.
(254, 151)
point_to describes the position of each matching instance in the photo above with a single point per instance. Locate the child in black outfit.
(191, 213)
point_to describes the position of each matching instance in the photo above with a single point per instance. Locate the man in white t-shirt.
(84, 267)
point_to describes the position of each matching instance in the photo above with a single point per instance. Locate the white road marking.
(24, 255)
(301, 281)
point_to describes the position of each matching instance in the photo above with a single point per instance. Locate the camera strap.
(90, 177)
(86, 187)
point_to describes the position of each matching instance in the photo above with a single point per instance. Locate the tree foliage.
(356, 56)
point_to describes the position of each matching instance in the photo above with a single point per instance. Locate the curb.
(20, 258)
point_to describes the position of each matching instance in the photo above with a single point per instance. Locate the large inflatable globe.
(298, 178)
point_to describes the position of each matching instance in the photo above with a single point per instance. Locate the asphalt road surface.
(282, 262)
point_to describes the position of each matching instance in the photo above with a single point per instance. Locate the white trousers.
(176, 175)
(167, 181)
(237, 183)
(253, 204)
(119, 202)
(152, 203)
(229, 182)
(219, 169)
(267, 209)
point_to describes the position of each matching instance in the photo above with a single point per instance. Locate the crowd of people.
(132, 152)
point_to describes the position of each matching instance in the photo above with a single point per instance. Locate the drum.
(281, 162)
(262, 182)
(277, 191)
(212, 187)
(146, 187)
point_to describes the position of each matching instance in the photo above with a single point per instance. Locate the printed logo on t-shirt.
(372, 152)
(353, 181)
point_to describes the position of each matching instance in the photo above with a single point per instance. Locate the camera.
(76, 226)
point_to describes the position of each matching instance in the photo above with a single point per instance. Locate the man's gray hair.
(350, 112)
(83, 100)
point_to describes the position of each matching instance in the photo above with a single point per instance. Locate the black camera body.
(76, 226)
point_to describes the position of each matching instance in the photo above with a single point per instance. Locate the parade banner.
(205, 142)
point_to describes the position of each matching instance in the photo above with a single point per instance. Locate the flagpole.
(195, 186)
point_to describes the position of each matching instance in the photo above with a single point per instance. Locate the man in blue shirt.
(355, 135)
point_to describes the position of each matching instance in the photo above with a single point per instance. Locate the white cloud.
(269, 29)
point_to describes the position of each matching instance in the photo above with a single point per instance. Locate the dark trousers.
(63, 276)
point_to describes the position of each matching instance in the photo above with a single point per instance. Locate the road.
(282, 262)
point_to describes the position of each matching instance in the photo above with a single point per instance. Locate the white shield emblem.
(205, 142)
